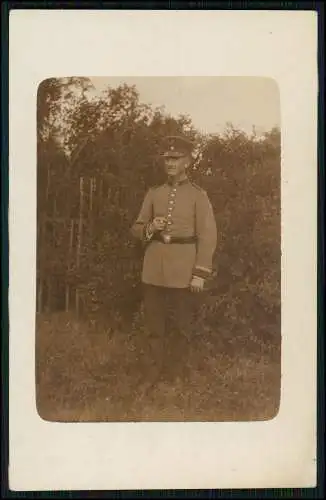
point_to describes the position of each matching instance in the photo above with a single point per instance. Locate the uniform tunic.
(189, 213)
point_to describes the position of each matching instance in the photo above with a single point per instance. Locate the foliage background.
(111, 143)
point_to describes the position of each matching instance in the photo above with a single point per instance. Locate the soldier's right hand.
(158, 224)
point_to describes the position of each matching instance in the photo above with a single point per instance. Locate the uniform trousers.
(169, 315)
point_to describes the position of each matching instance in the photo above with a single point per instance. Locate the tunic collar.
(185, 180)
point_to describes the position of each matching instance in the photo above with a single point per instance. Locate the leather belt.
(166, 238)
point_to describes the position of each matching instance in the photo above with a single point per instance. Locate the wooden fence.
(58, 286)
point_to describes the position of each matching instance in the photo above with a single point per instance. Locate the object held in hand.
(158, 223)
(161, 220)
(166, 238)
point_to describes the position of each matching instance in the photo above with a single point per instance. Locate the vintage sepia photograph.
(158, 249)
(162, 223)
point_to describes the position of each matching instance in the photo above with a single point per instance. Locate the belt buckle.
(166, 238)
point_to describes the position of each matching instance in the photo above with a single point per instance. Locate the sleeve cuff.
(202, 272)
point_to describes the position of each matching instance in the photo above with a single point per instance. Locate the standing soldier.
(177, 226)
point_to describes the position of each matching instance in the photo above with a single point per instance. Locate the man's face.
(175, 167)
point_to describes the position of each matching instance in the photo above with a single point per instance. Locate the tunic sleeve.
(140, 227)
(206, 233)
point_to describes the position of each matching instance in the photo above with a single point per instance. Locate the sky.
(211, 102)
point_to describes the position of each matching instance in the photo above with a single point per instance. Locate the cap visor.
(173, 155)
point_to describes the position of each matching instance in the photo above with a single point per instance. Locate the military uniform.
(192, 231)
(184, 249)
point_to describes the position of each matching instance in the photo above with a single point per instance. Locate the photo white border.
(103, 456)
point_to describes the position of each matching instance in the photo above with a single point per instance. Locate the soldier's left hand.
(197, 284)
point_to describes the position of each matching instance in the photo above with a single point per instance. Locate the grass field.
(87, 372)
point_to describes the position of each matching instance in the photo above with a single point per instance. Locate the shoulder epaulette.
(198, 187)
(155, 186)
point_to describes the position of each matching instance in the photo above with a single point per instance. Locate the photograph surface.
(158, 249)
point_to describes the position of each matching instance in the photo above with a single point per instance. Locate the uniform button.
(171, 202)
(169, 222)
(172, 194)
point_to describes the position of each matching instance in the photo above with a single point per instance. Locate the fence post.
(80, 222)
(80, 235)
(40, 295)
